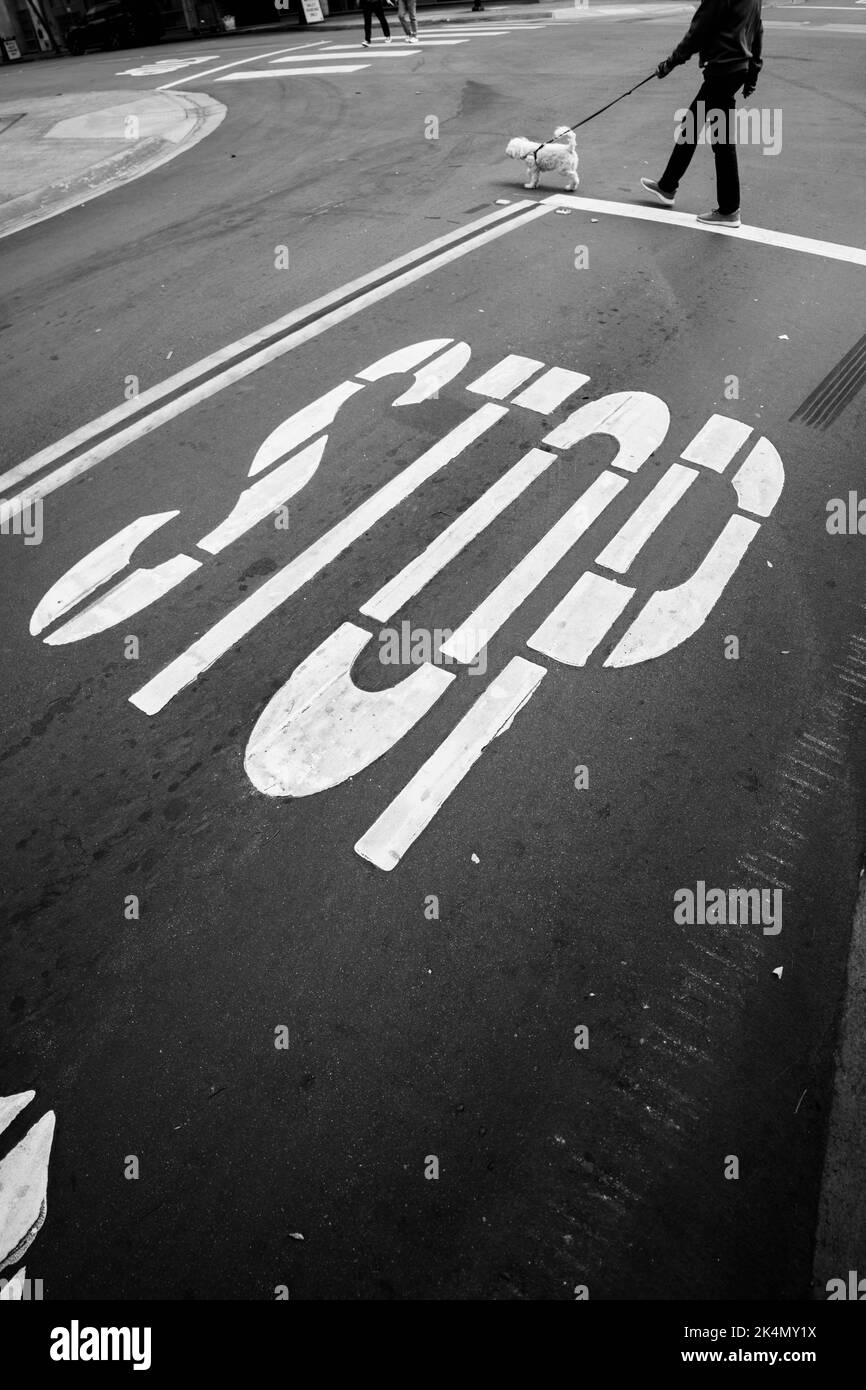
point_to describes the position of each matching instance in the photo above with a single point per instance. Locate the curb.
(840, 1240)
(200, 115)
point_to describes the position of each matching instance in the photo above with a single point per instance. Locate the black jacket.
(727, 35)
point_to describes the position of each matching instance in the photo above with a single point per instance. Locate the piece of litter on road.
(778, 971)
(503, 200)
(475, 859)
(785, 336)
(786, 651)
(593, 219)
(295, 1235)
(169, 354)
(563, 212)
(770, 564)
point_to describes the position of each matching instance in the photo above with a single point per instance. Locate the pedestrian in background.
(728, 36)
(406, 15)
(370, 8)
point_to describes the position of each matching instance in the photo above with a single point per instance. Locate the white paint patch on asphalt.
(495, 610)
(449, 543)
(94, 569)
(320, 728)
(619, 553)
(138, 590)
(573, 630)
(430, 379)
(716, 443)
(300, 426)
(637, 420)
(186, 668)
(10, 1106)
(23, 1187)
(265, 496)
(414, 807)
(550, 391)
(672, 615)
(758, 484)
(506, 376)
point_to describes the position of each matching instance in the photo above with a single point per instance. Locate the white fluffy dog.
(558, 158)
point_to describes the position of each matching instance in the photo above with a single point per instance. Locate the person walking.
(727, 35)
(370, 8)
(406, 16)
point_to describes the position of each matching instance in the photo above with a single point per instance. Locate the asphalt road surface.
(308, 920)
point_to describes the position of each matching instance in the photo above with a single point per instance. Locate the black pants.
(370, 8)
(718, 93)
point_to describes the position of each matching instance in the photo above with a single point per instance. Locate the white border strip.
(764, 236)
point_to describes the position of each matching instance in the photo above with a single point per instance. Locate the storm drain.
(836, 391)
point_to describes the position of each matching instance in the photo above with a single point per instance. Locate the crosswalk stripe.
(317, 57)
(251, 75)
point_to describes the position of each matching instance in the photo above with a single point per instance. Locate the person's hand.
(664, 67)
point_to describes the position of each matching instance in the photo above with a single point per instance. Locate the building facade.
(31, 27)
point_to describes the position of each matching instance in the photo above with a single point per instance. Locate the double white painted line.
(107, 435)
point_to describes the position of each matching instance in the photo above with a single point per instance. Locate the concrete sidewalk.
(62, 151)
(491, 14)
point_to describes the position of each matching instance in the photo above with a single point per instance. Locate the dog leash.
(599, 112)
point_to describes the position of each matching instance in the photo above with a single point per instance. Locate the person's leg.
(684, 148)
(368, 20)
(412, 20)
(380, 15)
(723, 138)
(404, 18)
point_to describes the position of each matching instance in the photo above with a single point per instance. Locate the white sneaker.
(365, 43)
(388, 40)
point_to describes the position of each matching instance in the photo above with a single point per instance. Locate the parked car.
(116, 24)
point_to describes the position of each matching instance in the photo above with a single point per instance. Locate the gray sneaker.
(652, 187)
(720, 219)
